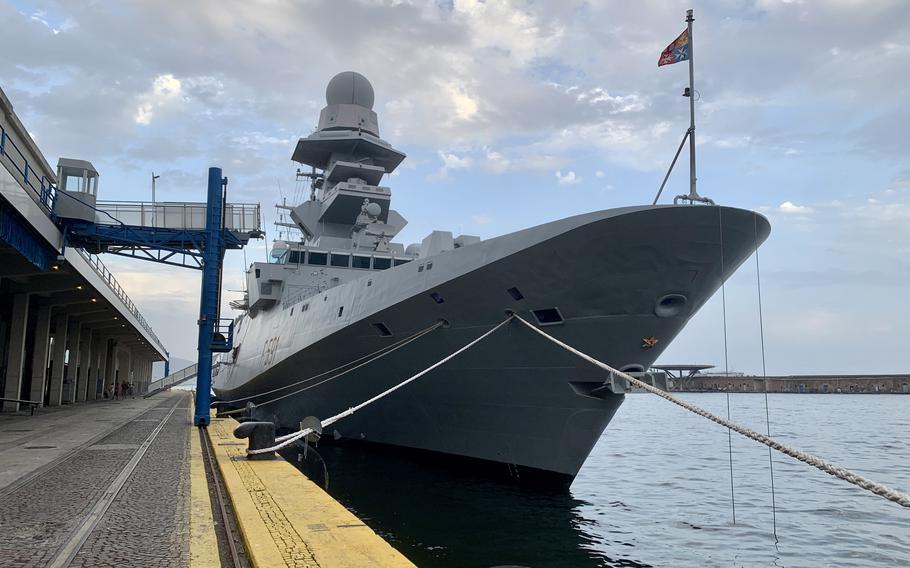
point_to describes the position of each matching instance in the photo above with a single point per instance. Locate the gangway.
(192, 235)
(172, 380)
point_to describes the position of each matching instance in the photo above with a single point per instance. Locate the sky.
(514, 114)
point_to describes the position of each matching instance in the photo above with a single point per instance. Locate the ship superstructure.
(618, 284)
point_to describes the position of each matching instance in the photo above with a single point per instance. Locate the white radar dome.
(350, 88)
(374, 209)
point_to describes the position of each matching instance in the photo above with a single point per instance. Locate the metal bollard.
(261, 435)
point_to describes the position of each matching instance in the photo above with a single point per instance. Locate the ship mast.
(683, 49)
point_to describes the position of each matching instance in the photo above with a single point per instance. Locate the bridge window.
(318, 258)
(342, 260)
(361, 262)
(295, 257)
(382, 263)
(400, 261)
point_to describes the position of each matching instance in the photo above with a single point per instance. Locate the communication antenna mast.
(315, 181)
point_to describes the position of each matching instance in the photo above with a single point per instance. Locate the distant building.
(821, 384)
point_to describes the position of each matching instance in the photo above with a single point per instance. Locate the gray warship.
(346, 312)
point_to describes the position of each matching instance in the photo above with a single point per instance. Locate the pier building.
(68, 330)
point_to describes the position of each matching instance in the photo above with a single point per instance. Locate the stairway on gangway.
(172, 380)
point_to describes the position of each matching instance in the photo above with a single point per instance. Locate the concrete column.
(40, 353)
(101, 367)
(125, 363)
(138, 375)
(73, 336)
(148, 374)
(57, 366)
(110, 371)
(16, 356)
(129, 367)
(86, 364)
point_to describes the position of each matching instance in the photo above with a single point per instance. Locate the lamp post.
(154, 208)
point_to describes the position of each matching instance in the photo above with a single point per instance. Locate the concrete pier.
(286, 519)
(132, 483)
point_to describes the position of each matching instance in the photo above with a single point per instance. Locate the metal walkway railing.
(40, 188)
(174, 378)
(242, 217)
(95, 262)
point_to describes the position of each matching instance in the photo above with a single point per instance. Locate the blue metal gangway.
(191, 235)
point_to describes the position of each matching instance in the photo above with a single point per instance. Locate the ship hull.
(515, 398)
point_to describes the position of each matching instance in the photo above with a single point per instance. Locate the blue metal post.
(167, 364)
(208, 309)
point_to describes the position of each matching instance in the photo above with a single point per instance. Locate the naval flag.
(676, 51)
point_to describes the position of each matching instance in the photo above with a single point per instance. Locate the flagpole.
(693, 194)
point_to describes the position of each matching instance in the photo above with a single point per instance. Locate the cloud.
(481, 219)
(498, 90)
(450, 162)
(790, 208)
(165, 90)
(496, 162)
(569, 178)
(616, 104)
(465, 106)
(733, 142)
(599, 173)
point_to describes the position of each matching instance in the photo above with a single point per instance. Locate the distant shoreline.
(794, 384)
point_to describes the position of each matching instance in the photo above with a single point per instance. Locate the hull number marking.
(269, 349)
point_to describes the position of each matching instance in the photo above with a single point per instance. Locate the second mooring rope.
(365, 360)
(829, 468)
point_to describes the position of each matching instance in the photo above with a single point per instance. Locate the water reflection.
(440, 515)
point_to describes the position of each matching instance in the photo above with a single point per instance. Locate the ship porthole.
(670, 305)
(633, 368)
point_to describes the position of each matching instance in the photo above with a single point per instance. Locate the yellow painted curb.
(203, 543)
(286, 519)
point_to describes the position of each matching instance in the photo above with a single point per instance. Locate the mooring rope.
(723, 303)
(829, 468)
(287, 440)
(764, 372)
(366, 360)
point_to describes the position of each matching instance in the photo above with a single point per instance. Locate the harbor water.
(656, 492)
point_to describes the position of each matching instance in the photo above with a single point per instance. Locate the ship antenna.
(313, 178)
